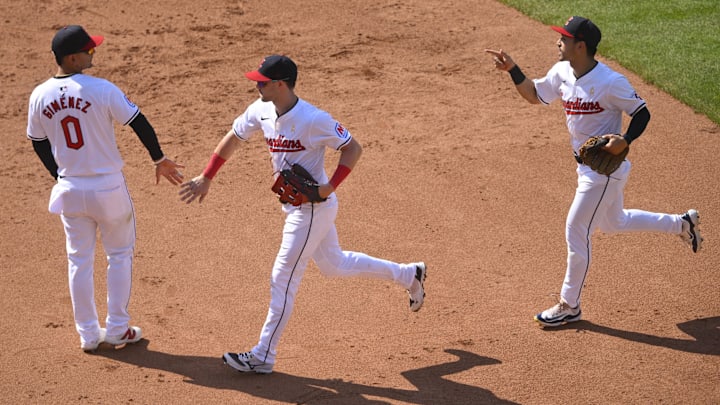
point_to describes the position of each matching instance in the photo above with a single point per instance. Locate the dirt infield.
(457, 171)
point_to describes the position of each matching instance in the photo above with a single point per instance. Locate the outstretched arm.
(524, 86)
(163, 166)
(200, 185)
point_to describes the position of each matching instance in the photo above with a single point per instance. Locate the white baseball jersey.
(74, 113)
(594, 103)
(299, 136)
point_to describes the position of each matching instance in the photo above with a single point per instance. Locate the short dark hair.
(591, 49)
(290, 83)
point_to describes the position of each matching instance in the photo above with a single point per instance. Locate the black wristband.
(517, 75)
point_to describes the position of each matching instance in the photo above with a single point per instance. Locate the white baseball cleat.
(132, 335)
(417, 289)
(92, 345)
(559, 314)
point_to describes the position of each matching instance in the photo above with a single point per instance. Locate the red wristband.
(341, 173)
(213, 166)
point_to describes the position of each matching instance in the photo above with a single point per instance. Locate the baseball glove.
(296, 186)
(592, 154)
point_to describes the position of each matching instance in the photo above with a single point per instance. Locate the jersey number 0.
(71, 126)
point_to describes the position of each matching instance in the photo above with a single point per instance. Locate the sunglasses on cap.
(263, 84)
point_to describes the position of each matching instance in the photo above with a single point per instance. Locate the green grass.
(672, 44)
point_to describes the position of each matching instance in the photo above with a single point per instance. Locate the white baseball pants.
(86, 204)
(598, 204)
(309, 233)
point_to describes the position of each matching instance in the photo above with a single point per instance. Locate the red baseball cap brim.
(562, 31)
(257, 76)
(95, 41)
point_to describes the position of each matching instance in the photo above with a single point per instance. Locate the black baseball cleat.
(691, 230)
(246, 363)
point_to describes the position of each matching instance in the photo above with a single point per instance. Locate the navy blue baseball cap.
(73, 39)
(581, 29)
(274, 67)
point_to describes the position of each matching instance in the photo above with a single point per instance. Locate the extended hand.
(502, 60)
(197, 187)
(169, 169)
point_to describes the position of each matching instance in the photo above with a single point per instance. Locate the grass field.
(674, 45)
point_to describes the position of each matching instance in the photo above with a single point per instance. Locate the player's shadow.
(705, 331)
(431, 387)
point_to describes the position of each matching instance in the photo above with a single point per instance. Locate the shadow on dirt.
(432, 388)
(706, 332)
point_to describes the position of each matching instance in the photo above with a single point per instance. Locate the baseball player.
(297, 132)
(594, 97)
(70, 124)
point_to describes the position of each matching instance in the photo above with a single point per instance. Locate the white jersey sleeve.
(329, 132)
(623, 96)
(317, 130)
(548, 87)
(245, 125)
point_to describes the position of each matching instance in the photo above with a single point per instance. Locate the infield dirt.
(457, 171)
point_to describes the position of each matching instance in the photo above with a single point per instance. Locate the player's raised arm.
(524, 86)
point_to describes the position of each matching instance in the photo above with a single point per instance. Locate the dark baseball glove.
(296, 186)
(592, 154)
